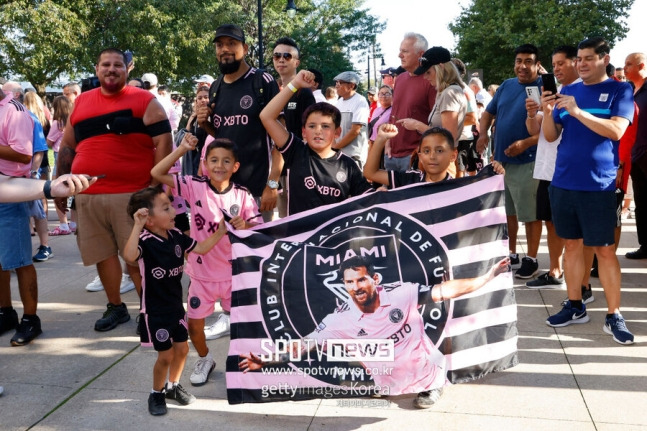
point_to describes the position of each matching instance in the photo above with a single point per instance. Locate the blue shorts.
(15, 236)
(587, 215)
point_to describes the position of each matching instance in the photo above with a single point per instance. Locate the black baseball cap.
(433, 56)
(230, 30)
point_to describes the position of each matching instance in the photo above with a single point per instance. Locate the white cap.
(205, 78)
(150, 78)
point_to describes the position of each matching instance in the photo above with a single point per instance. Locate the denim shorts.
(36, 209)
(15, 236)
(587, 215)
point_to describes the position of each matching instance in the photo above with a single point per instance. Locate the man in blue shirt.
(516, 149)
(593, 115)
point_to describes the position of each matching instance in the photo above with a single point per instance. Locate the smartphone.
(549, 82)
(533, 93)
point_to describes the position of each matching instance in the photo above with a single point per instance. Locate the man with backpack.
(235, 100)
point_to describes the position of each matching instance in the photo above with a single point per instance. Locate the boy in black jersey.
(316, 174)
(435, 153)
(159, 249)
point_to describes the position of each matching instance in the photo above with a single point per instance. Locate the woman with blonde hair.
(62, 110)
(451, 104)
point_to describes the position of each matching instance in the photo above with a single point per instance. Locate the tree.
(44, 39)
(488, 31)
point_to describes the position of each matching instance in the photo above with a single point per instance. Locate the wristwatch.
(273, 184)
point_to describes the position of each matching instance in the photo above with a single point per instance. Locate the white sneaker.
(95, 285)
(127, 284)
(203, 367)
(220, 328)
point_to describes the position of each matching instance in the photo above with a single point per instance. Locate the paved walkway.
(73, 378)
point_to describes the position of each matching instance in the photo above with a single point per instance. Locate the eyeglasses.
(286, 55)
(384, 94)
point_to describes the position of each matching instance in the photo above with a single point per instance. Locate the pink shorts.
(203, 296)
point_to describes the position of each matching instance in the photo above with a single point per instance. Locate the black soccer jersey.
(161, 264)
(399, 179)
(236, 117)
(313, 181)
(295, 108)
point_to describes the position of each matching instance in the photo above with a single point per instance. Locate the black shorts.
(620, 198)
(182, 222)
(469, 160)
(543, 202)
(162, 330)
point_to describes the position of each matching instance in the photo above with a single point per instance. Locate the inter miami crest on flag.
(299, 318)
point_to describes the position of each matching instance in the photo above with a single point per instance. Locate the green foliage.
(488, 31)
(44, 39)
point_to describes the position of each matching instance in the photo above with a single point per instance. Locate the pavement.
(74, 378)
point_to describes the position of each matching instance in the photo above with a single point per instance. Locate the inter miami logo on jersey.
(246, 101)
(301, 282)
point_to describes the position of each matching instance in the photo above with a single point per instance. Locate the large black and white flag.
(299, 321)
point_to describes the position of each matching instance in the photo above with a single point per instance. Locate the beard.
(227, 68)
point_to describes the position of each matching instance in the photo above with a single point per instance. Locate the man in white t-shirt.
(563, 59)
(354, 118)
(150, 83)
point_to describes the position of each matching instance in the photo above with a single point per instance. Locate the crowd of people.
(158, 195)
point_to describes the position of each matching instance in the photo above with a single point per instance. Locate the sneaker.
(28, 329)
(515, 263)
(157, 404)
(58, 231)
(220, 328)
(114, 315)
(127, 284)
(528, 268)
(95, 285)
(44, 253)
(637, 254)
(616, 326)
(426, 399)
(179, 394)
(139, 320)
(203, 367)
(8, 320)
(567, 316)
(546, 281)
(587, 296)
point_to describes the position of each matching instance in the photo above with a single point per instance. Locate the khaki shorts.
(103, 226)
(520, 191)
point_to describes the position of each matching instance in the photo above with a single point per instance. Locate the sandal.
(58, 231)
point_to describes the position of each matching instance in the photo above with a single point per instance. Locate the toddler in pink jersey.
(210, 274)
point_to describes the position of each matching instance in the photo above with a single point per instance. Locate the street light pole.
(260, 36)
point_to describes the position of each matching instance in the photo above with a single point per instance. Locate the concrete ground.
(74, 378)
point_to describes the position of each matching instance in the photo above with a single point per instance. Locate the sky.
(399, 22)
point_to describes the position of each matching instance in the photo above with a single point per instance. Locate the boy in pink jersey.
(208, 197)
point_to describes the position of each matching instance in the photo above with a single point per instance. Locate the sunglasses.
(285, 55)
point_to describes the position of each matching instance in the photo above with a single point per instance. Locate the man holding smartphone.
(515, 149)
(592, 116)
(563, 59)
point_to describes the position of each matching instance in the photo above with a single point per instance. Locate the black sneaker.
(8, 320)
(641, 253)
(594, 267)
(587, 296)
(28, 329)
(515, 263)
(528, 268)
(114, 315)
(179, 394)
(157, 404)
(546, 281)
(426, 399)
